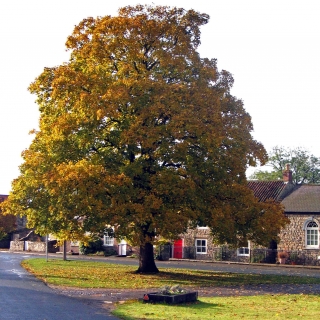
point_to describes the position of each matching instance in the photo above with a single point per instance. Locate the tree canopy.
(140, 133)
(7, 222)
(304, 165)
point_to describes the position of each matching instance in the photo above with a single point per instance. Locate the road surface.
(23, 297)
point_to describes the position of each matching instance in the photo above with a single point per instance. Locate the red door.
(178, 248)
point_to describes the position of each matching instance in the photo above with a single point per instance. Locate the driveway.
(23, 297)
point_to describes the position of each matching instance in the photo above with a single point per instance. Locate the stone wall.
(27, 246)
(292, 237)
(292, 240)
(35, 246)
(17, 245)
(192, 235)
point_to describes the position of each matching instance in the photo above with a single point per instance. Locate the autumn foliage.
(7, 222)
(138, 132)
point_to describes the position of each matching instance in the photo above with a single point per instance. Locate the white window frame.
(108, 241)
(311, 234)
(202, 228)
(205, 246)
(244, 251)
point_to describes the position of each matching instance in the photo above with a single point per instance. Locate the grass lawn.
(88, 274)
(253, 307)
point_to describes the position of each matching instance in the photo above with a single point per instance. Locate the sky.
(271, 48)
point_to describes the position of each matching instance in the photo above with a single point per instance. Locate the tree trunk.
(64, 250)
(146, 260)
(272, 256)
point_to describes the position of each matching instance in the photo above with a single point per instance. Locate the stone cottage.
(302, 207)
(301, 235)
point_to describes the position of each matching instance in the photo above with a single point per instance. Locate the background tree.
(7, 225)
(7, 222)
(305, 166)
(138, 132)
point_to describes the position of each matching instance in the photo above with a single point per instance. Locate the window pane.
(243, 251)
(201, 246)
(312, 224)
(108, 241)
(312, 237)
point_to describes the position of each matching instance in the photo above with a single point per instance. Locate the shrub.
(110, 252)
(93, 246)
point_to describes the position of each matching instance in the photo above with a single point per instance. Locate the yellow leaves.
(7, 221)
(100, 114)
(137, 131)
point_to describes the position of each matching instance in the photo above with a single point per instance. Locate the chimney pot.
(287, 174)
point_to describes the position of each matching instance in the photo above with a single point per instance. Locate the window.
(108, 241)
(243, 251)
(201, 246)
(312, 235)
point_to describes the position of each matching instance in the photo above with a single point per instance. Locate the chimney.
(287, 174)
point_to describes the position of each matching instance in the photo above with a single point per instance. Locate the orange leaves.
(138, 132)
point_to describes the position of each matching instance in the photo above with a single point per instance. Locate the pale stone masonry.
(293, 236)
(199, 234)
(302, 207)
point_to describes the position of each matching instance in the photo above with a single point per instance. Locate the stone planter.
(172, 298)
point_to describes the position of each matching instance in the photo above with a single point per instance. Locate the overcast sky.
(272, 48)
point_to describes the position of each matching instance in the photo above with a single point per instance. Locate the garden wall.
(28, 246)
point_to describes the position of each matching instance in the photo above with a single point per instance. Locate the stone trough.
(171, 298)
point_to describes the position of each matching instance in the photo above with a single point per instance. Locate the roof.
(267, 190)
(305, 198)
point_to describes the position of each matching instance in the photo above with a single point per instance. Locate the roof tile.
(305, 198)
(267, 190)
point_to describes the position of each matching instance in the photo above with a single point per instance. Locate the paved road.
(217, 266)
(23, 297)
(213, 266)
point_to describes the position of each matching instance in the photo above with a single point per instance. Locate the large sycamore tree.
(140, 133)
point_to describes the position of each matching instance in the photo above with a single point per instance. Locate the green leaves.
(305, 166)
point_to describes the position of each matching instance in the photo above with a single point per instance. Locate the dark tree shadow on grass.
(208, 279)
